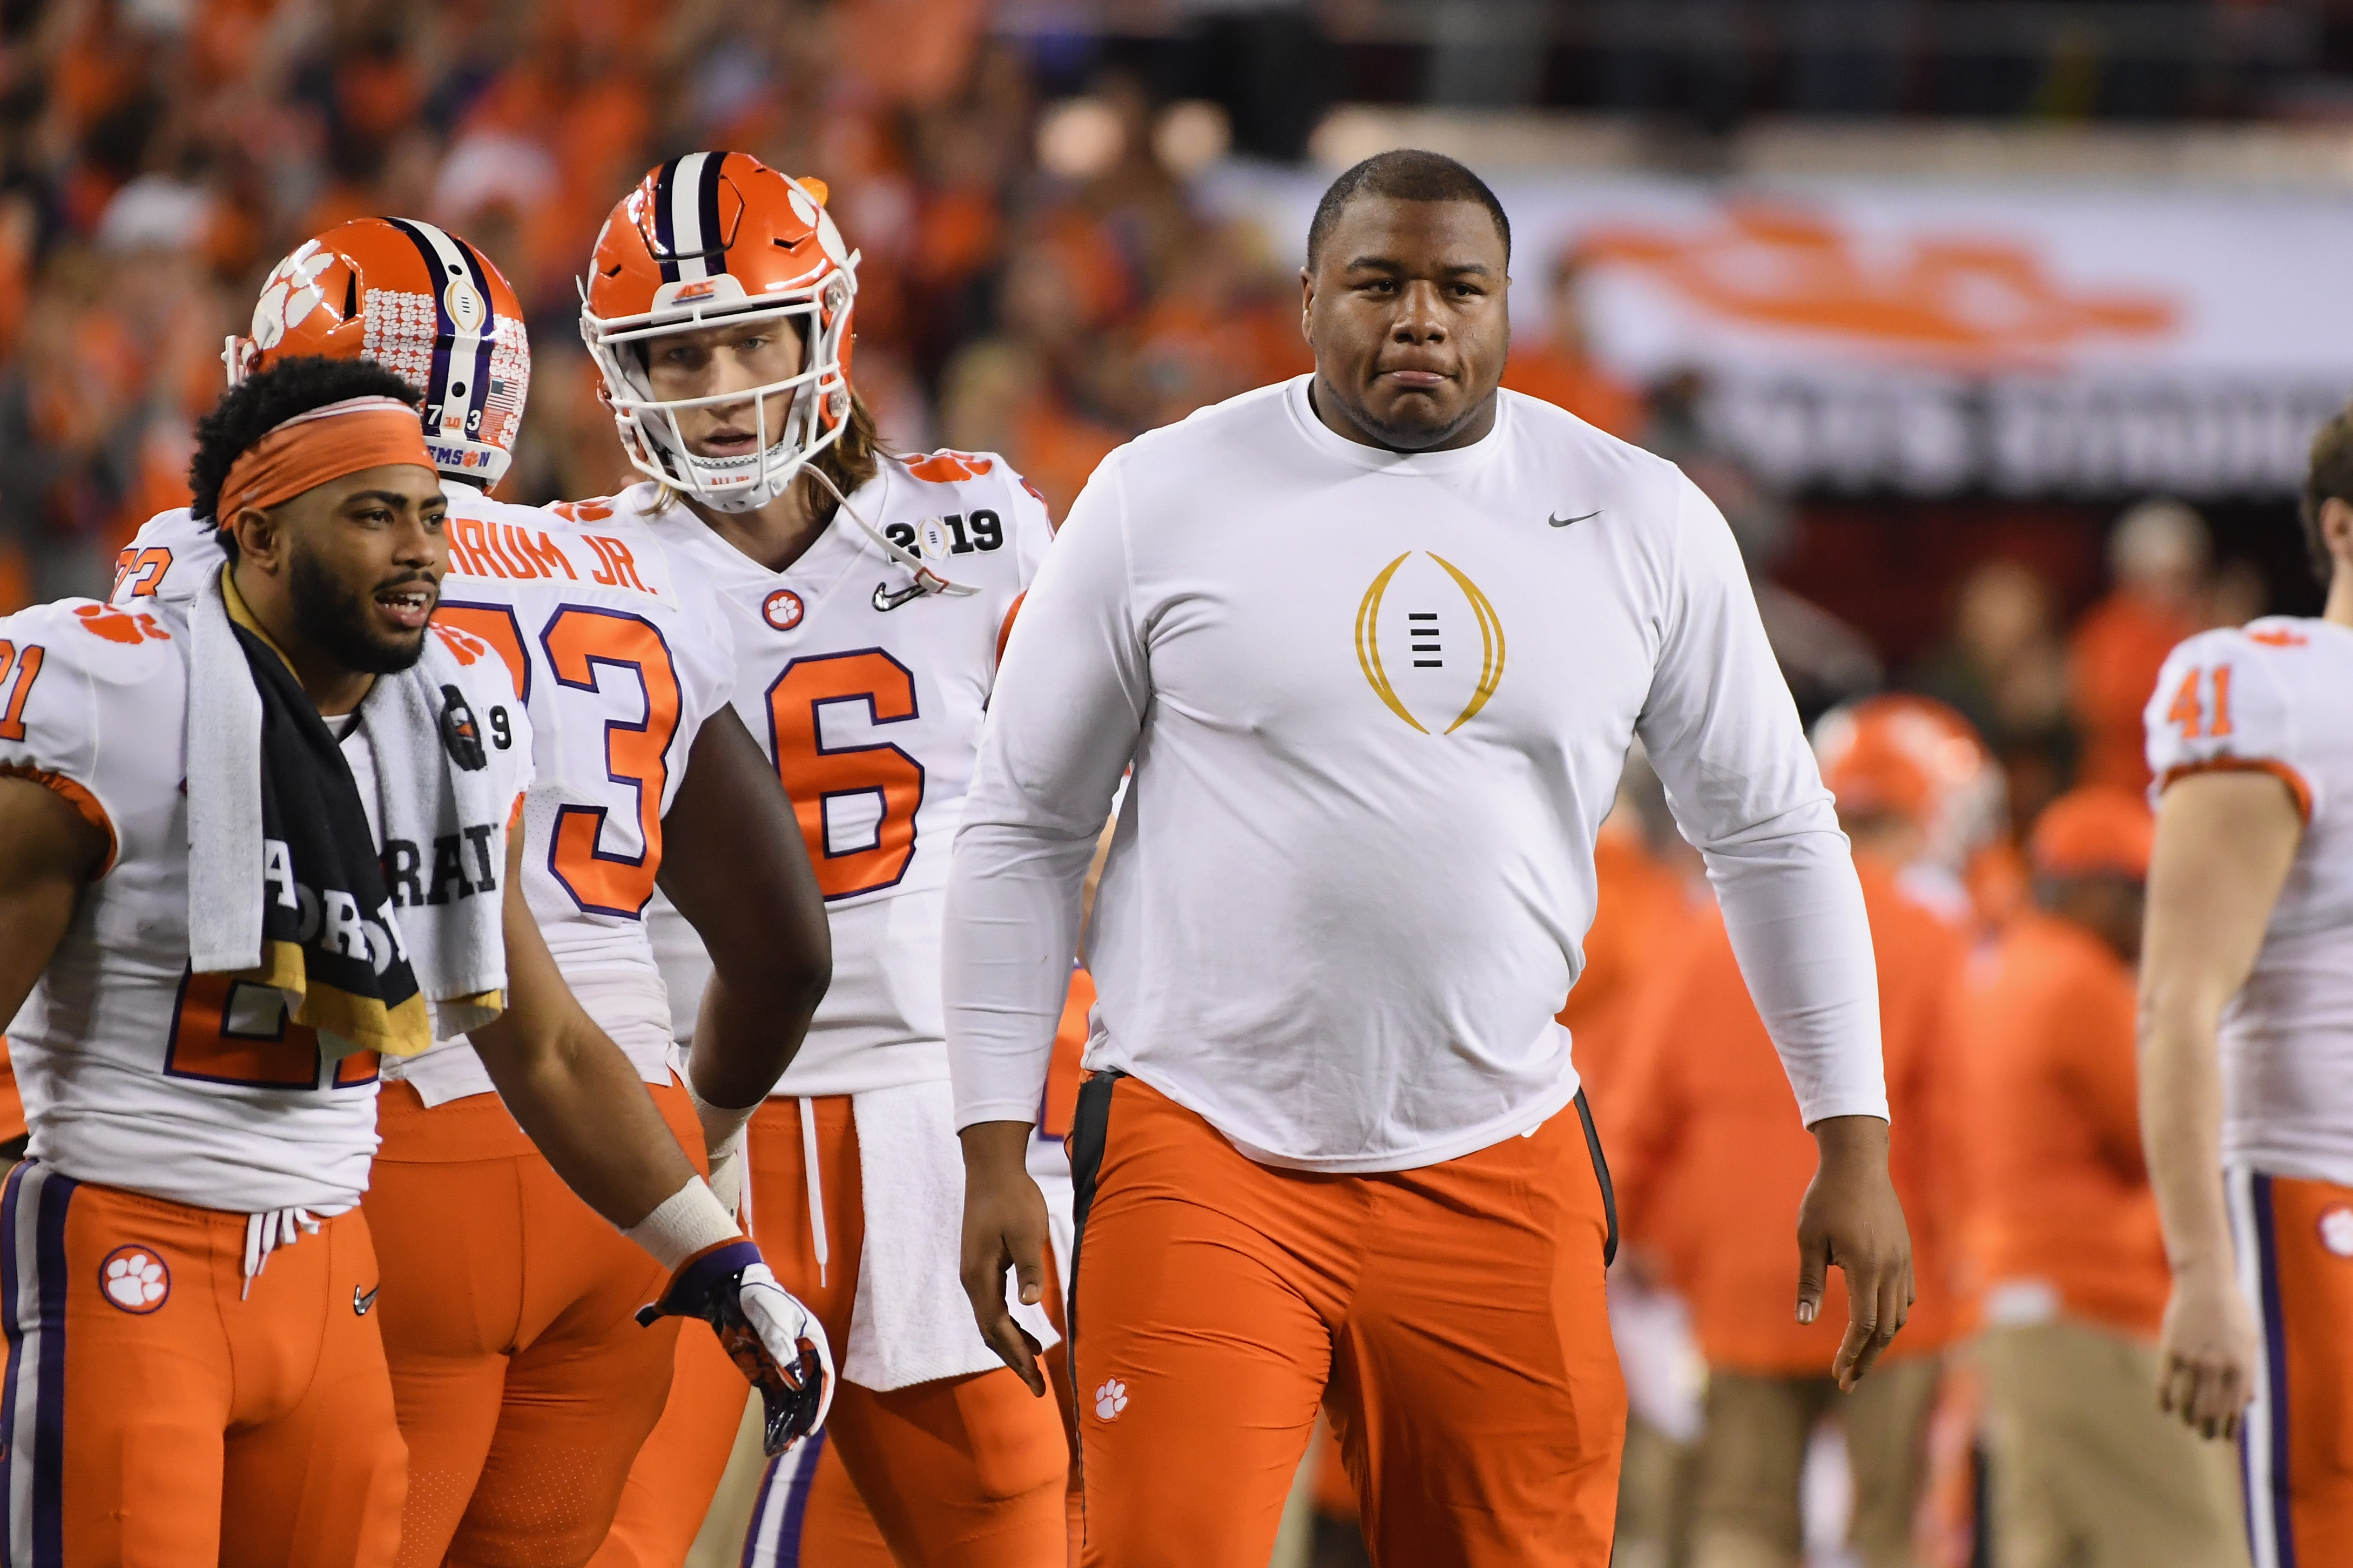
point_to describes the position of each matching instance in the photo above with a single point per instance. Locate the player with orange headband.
(223, 906)
(523, 1386)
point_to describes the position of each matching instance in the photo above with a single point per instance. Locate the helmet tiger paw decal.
(290, 293)
(1111, 1399)
(121, 626)
(135, 1279)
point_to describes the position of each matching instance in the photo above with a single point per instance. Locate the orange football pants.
(838, 1531)
(157, 1414)
(1452, 1319)
(963, 1472)
(524, 1382)
(2297, 1442)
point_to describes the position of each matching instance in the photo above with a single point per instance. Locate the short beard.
(334, 620)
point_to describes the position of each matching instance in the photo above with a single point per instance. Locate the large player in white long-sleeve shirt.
(1374, 643)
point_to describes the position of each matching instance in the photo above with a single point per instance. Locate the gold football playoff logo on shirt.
(1422, 620)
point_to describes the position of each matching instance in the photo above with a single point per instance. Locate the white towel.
(456, 950)
(911, 1323)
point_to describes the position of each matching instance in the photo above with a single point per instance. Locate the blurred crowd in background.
(1046, 283)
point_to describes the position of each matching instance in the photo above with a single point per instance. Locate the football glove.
(774, 1342)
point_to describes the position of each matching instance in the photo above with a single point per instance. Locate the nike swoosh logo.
(1564, 522)
(886, 600)
(361, 1303)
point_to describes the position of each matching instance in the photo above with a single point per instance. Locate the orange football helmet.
(713, 238)
(1915, 757)
(422, 303)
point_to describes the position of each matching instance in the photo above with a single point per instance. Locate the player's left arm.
(575, 1094)
(734, 863)
(1723, 733)
(49, 853)
(2225, 841)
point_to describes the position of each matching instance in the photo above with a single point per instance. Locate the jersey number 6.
(845, 782)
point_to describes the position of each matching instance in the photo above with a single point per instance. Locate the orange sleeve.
(2093, 1038)
(76, 795)
(1005, 632)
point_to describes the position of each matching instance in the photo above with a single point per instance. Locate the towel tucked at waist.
(911, 1323)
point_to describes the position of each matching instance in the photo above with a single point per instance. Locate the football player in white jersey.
(870, 595)
(2246, 1039)
(195, 1372)
(523, 1386)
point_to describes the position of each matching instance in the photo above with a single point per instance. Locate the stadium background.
(1926, 293)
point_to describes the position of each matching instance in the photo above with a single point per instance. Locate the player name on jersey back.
(522, 550)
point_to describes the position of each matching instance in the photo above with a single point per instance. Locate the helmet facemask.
(816, 412)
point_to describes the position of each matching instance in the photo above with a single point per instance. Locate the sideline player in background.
(187, 1132)
(1709, 1159)
(867, 632)
(2246, 1039)
(525, 1384)
(2060, 1228)
(1376, 641)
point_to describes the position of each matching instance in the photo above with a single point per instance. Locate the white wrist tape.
(720, 1122)
(686, 1222)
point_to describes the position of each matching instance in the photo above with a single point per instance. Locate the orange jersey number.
(142, 569)
(495, 624)
(823, 779)
(232, 1031)
(2187, 708)
(577, 640)
(27, 669)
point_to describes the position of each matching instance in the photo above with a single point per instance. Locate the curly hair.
(254, 408)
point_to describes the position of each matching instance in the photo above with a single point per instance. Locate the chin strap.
(927, 582)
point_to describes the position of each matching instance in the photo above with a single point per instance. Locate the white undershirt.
(1377, 706)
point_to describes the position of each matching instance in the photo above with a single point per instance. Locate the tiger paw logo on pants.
(1111, 1399)
(134, 1278)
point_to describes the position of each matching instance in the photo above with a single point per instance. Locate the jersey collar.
(1375, 459)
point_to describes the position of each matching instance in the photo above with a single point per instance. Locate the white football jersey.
(2277, 697)
(868, 698)
(619, 659)
(137, 1073)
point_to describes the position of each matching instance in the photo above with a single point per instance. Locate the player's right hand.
(2206, 1352)
(775, 1341)
(1004, 1228)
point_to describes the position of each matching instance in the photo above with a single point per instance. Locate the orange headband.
(325, 444)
